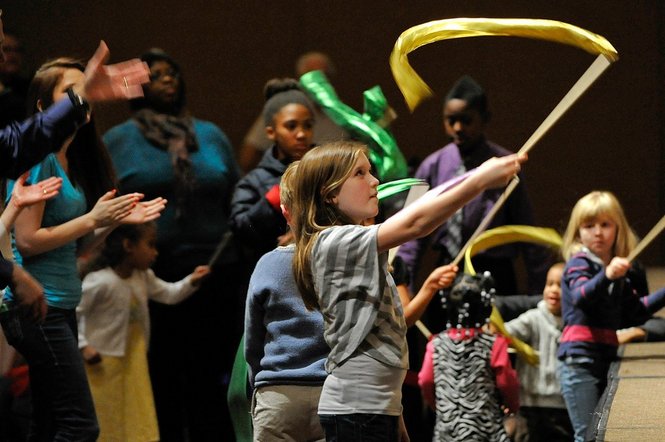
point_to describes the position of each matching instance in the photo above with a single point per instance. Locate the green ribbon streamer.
(391, 188)
(384, 153)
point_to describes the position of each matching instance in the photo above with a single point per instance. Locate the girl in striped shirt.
(340, 266)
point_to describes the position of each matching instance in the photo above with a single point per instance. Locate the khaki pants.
(286, 413)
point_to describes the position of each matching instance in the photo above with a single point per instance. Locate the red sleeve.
(505, 375)
(272, 195)
(426, 376)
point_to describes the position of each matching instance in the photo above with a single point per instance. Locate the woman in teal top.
(163, 150)
(46, 243)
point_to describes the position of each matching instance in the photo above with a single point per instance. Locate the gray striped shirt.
(360, 305)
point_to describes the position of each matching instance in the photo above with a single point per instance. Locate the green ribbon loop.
(384, 153)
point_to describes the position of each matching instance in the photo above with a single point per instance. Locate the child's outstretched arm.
(199, 274)
(429, 212)
(440, 278)
(174, 292)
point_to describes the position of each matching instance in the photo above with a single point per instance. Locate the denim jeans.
(359, 427)
(62, 404)
(583, 381)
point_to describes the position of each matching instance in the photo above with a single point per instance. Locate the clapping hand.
(145, 211)
(120, 81)
(23, 196)
(111, 209)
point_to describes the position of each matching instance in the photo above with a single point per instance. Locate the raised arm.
(120, 81)
(423, 216)
(22, 145)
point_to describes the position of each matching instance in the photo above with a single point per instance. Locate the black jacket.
(255, 223)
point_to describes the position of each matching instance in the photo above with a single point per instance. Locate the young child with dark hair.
(466, 376)
(542, 404)
(114, 330)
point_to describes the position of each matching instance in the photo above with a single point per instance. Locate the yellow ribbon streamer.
(506, 235)
(415, 89)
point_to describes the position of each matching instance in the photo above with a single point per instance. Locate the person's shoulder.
(446, 151)
(347, 229)
(120, 130)
(581, 261)
(269, 166)
(533, 314)
(580, 256)
(277, 254)
(104, 276)
(448, 156)
(125, 125)
(341, 237)
(253, 178)
(208, 126)
(46, 168)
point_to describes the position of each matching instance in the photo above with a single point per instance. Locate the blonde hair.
(286, 185)
(589, 207)
(319, 177)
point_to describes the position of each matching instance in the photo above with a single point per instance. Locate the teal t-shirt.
(56, 269)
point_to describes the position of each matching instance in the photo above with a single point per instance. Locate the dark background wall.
(613, 138)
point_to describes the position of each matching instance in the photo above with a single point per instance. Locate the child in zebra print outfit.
(466, 376)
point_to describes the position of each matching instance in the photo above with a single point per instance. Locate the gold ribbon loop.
(415, 89)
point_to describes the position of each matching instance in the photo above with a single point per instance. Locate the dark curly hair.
(468, 304)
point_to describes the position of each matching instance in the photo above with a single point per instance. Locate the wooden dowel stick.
(423, 329)
(653, 233)
(595, 70)
(488, 218)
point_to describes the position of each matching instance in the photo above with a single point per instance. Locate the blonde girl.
(601, 292)
(340, 267)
